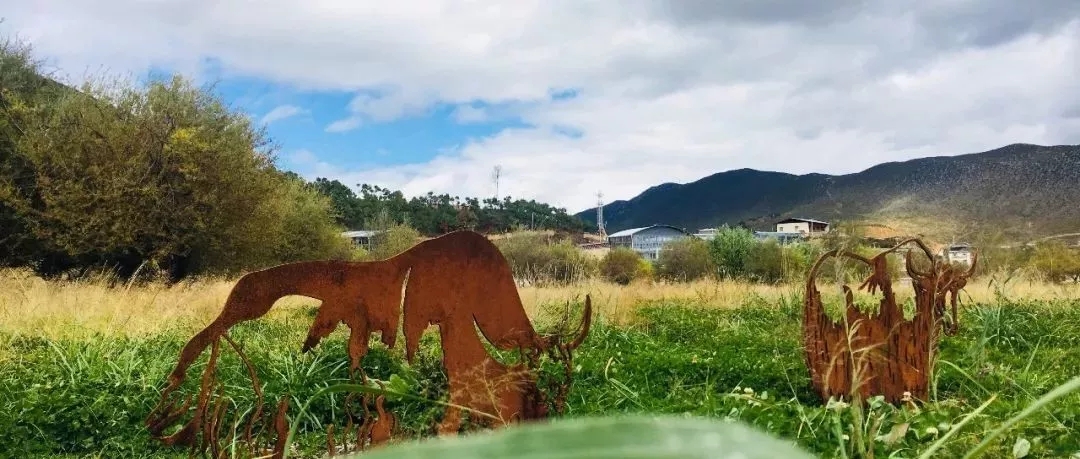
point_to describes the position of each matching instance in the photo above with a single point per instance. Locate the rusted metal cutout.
(884, 353)
(458, 282)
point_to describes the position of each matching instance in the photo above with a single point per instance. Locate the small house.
(802, 225)
(647, 241)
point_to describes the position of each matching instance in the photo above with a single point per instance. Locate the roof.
(361, 233)
(807, 220)
(632, 231)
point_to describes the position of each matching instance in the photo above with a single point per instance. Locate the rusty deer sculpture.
(459, 282)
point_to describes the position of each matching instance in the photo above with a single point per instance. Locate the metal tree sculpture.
(882, 354)
(458, 281)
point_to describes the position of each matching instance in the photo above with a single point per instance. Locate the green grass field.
(87, 395)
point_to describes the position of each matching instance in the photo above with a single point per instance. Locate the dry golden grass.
(30, 305)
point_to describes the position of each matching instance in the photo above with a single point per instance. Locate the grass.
(82, 364)
(30, 304)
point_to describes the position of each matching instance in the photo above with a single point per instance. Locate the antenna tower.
(600, 215)
(495, 173)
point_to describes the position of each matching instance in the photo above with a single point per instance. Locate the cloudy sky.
(571, 97)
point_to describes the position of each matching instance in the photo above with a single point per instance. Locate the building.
(648, 240)
(802, 225)
(361, 238)
(957, 253)
(707, 234)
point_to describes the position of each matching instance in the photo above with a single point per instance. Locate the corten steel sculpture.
(952, 281)
(459, 282)
(883, 354)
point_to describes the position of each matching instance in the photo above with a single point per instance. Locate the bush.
(392, 241)
(684, 260)
(729, 251)
(536, 258)
(622, 265)
(164, 177)
(1056, 261)
(765, 262)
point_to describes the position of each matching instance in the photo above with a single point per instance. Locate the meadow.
(82, 363)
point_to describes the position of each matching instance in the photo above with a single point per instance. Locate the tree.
(22, 86)
(164, 176)
(685, 259)
(344, 200)
(620, 265)
(729, 250)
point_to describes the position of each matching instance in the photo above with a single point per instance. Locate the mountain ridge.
(1019, 190)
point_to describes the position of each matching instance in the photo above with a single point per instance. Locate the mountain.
(1017, 191)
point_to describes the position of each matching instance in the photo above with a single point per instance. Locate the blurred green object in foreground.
(641, 437)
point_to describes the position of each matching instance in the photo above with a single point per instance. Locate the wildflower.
(931, 431)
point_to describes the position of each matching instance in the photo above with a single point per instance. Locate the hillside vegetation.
(1018, 191)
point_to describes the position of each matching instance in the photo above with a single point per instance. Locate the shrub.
(164, 177)
(765, 261)
(622, 265)
(1056, 261)
(392, 241)
(684, 260)
(729, 251)
(536, 258)
(646, 270)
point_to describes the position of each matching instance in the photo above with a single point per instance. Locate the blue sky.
(300, 121)
(432, 95)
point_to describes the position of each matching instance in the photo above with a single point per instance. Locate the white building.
(707, 234)
(647, 241)
(804, 226)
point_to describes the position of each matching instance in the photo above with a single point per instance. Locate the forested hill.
(433, 214)
(1019, 189)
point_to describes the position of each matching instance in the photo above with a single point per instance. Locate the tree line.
(433, 214)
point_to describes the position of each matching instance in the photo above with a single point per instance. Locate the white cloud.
(468, 114)
(345, 124)
(282, 112)
(667, 90)
(387, 104)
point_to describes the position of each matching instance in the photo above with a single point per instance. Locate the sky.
(574, 97)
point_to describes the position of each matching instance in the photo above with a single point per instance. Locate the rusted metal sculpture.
(952, 281)
(882, 354)
(459, 282)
